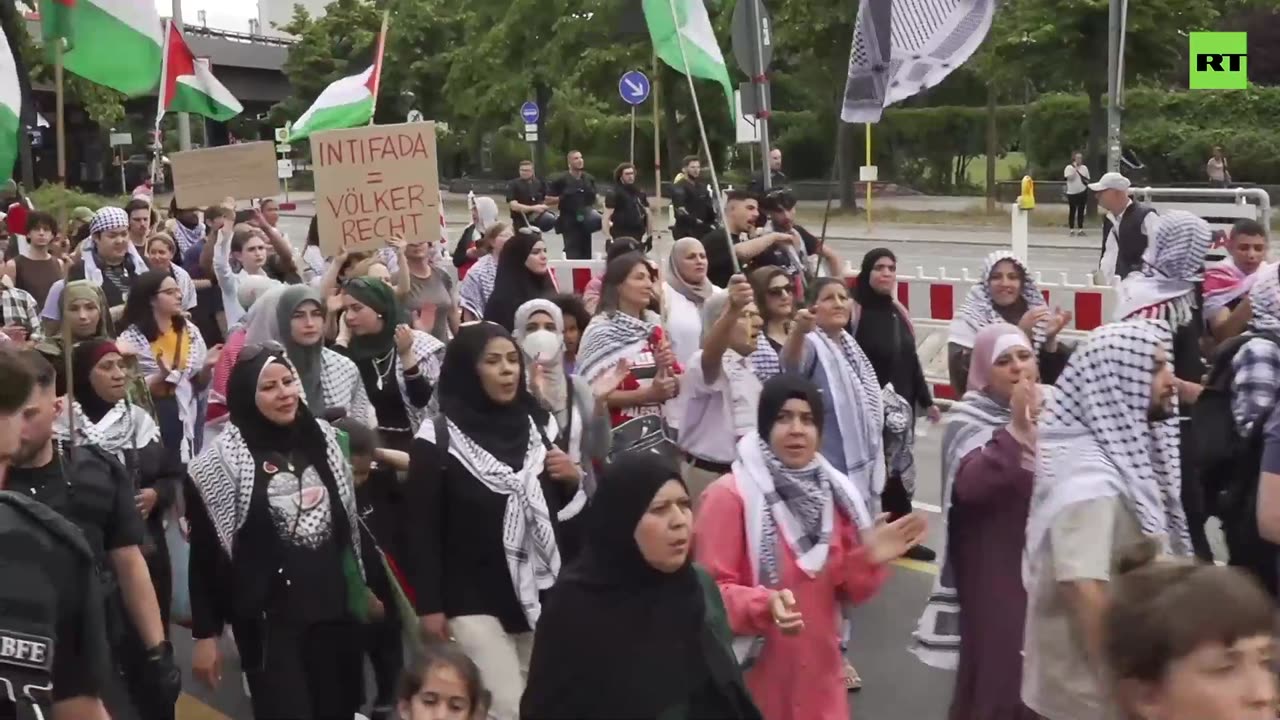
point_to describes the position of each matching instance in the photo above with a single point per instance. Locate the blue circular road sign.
(529, 111)
(634, 87)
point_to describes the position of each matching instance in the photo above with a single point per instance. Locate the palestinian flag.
(115, 43)
(347, 102)
(10, 109)
(187, 83)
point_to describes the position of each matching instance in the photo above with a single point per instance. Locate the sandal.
(852, 680)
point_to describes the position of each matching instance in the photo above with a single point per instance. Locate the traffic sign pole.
(759, 79)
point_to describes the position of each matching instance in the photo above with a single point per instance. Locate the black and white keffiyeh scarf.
(477, 286)
(1171, 265)
(1264, 297)
(970, 425)
(343, 388)
(1095, 439)
(859, 407)
(528, 537)
(185, 237)
(125, 427)
(765, 361)
(611, 337)
(979, 309)
(796, 507)
(224, 474)
(185, 392)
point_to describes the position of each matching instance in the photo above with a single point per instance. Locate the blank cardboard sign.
(207, 176)
(376, 182)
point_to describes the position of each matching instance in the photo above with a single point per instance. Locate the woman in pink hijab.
(973, 622)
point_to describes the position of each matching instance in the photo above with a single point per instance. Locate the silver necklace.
(384, 365)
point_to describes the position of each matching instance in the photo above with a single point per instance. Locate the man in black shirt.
(93, 490)
(695, 208)
(627, 207)
(753, 246)
(777, 178)
(574, 193)
(780, 205)
(526, 196)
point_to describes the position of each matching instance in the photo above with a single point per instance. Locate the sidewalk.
(839, 227)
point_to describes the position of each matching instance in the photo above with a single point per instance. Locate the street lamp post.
(1115, 44)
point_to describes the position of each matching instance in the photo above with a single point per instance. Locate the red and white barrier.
(927, 297)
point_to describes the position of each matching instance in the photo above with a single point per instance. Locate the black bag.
(1228, 465)
(647, 433)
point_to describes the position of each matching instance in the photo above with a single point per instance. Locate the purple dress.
(986, 532)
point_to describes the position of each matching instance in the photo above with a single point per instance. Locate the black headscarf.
(501, 429)
(883, 333)
(514, 284)
(259, 433)
(777, 391)
(84, 356)
(618, 638)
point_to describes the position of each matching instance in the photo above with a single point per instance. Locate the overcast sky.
(222, 14)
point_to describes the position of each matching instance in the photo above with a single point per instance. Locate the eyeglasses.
(251, 352)
(779, 291)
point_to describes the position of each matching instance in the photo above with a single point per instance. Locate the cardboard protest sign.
(210, 175)
(376, 182)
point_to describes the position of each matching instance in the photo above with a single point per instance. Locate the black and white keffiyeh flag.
(611, 337)
(979, 309)
(224, 474)
(765, 361)
(1096, 439)
(477, 286)
(901, 47)
(528, 537)
(1171, 265)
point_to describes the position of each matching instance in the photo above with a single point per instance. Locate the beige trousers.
(697, 480)
(503, 660)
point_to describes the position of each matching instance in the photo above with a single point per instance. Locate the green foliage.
(58, 200)
(103, 105)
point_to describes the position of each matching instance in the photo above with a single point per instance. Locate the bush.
(58, 200)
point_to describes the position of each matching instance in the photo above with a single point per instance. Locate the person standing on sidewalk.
(1126, 229)
(693, 206)
(527, 199)
(1216, 168)
(1077, 176)
(574, 193)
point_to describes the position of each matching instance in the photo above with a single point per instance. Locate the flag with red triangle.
(347, 102)
(187, 83)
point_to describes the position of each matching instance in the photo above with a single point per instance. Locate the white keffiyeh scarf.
(477, 286)
(859, 408)
(1095, 440)
(93, 273)
(970, 425)
(343, 388)
(125, 427)
(611, 337)
(1171, 264)
(796, 507)
(765, 361)
(528, 537)
(979, 309)
(224, 474)
(1264, 297)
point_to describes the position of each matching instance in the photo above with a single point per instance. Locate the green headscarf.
(71, 292)
(381, 298)
(306, 360)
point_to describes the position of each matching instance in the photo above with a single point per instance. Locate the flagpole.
(160, 103)
(61, 128)
(702, 131)
(184, 120)
(657, 133)
(377, 63)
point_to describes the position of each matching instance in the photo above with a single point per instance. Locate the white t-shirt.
(1077, 178)
(683, 324)
(715, 415)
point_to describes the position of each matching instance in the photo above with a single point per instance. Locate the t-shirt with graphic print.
(312, 586)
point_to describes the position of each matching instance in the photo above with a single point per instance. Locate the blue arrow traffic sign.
(529, 111)
(633, 87)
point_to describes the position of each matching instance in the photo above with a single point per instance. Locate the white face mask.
(543, 346)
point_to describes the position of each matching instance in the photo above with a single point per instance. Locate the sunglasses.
(251, 352)
(779, 291)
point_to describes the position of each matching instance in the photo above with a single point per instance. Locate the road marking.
(927, 507)
(190, 708)
(917, 566)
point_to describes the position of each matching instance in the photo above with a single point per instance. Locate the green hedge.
(54, 199)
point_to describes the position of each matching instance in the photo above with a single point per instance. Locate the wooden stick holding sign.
(374, 183)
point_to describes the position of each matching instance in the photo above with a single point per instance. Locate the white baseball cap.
(1110, 181)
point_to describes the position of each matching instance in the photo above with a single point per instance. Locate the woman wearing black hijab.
(522, 276)
(633, 629)
(489, 492)
(274, 550)
(885, 334)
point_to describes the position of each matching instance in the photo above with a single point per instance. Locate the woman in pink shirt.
(786, 568)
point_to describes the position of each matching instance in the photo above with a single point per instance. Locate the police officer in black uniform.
(526, 197)
(695, 208)
(574, 193)
(53, 652)
(90, 488)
